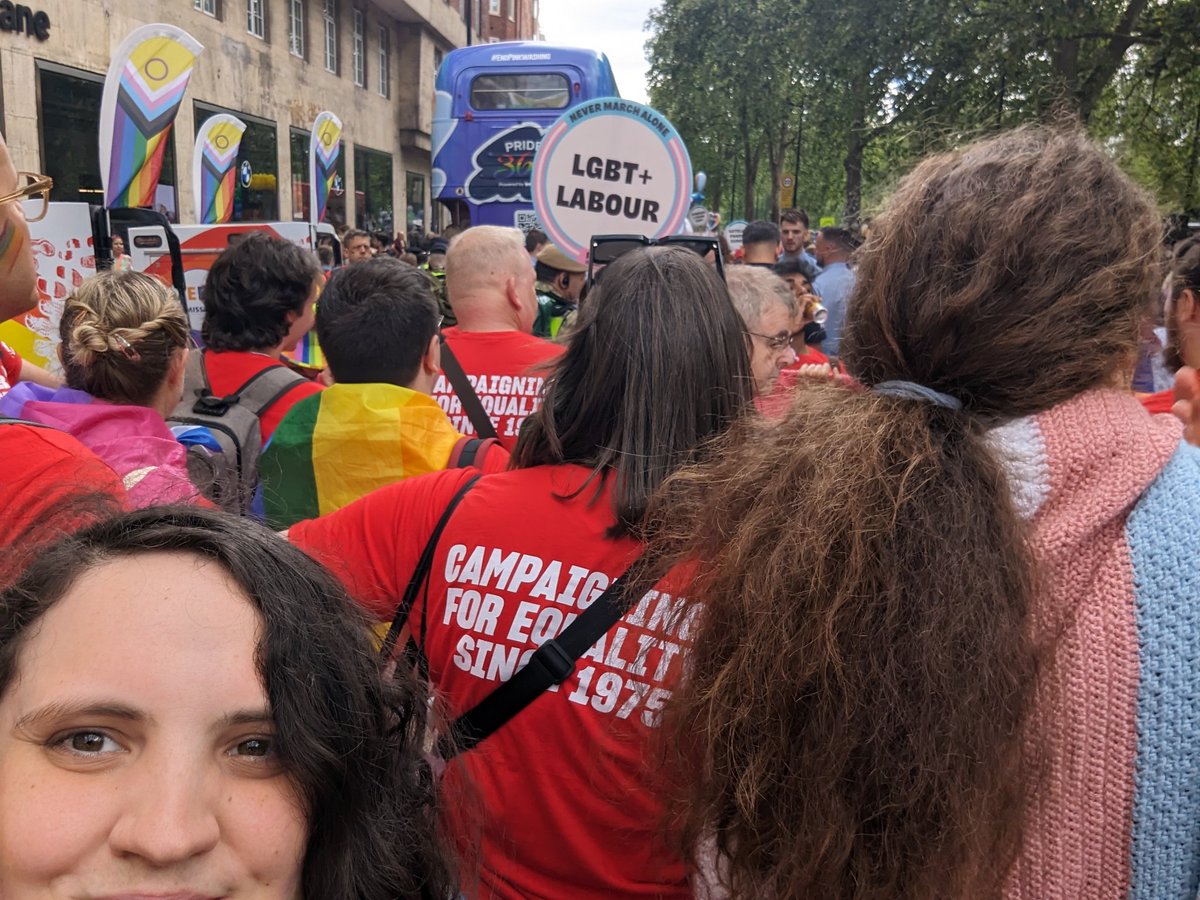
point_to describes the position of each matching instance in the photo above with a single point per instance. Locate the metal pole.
(470, 18)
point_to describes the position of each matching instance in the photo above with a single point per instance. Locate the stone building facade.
(273, 63)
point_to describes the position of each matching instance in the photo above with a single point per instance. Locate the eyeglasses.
(776, 342)
(607, 248)
(35, 188)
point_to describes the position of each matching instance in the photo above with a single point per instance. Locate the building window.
(512, 10)
(360, 49)
(373, 190)
(69, 114)
(494, 7)
(329, 16)
(256, 21)
(296, 28)
(438, 56)
(256, 179)
(335, 205)
(384, 67)
(208, 7)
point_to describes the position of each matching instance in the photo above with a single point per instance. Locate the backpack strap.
(421, 572)
(552, 663)
(470, 452)
(262, 390)
(466, 394)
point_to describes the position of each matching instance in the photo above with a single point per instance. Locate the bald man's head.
(489, 280)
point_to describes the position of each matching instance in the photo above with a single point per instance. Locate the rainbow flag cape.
(217, 145)
(334, 447)
(323, 149)
(142, 92)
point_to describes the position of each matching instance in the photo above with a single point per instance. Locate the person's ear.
(178, 367)
(431, 359)
(563, 282)
(1187, 308)
(511, 292)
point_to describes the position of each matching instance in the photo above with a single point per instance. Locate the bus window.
(515, 90)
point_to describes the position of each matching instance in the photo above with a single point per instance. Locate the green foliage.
(864, 88)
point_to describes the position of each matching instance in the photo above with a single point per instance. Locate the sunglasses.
(608, 248)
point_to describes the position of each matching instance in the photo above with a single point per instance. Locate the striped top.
(1113, 499)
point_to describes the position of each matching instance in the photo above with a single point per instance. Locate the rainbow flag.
(142, 92)
(323, 149)
(308, 352)
(334, 447)
(213, 174)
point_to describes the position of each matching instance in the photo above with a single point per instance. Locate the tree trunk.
(853, 166)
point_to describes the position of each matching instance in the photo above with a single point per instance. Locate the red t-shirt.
(49, 484)
(228, 370)
(558, 801)
(501, 366)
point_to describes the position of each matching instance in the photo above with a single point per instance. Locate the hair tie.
(127, 348)
(910, 390)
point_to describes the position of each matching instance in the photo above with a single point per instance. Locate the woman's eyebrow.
(67, 709)
(248, 717)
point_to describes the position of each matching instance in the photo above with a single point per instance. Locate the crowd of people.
(837, 568)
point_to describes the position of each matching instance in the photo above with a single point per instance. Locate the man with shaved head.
(490, 286)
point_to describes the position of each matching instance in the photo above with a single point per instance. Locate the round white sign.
(733, 233)
(610, 166)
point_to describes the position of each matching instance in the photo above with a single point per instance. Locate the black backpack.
(230, 477)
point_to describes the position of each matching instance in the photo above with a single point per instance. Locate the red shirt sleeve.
(373, 544)
(11, 362)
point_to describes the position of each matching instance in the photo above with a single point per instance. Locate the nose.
(168, 814)
(787, 357)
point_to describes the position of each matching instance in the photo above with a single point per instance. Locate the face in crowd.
(18, 272)
(138, 727)
(794, 237)
(771, 347)
(358, 248)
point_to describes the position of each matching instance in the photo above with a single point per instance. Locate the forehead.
(775, 317)
(153, 630)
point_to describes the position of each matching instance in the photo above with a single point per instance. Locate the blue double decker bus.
(492, 104)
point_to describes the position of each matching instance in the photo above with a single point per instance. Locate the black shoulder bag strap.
(466, 394)
(421, 573)
(7, 420)
(552, 663)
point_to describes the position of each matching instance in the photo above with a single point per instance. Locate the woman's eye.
(87, 743)
(255, 747)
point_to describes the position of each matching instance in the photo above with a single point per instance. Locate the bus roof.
(593, 64)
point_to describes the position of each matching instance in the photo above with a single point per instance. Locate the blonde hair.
(119, 333)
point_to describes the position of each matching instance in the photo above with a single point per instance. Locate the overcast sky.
(614, 27)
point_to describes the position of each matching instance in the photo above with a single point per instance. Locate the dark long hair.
(656, 365)
(854, 713)
(352, 744)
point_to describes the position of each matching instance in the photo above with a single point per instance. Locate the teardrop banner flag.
(142, 92)
(610, 166)
(323, 149)
(213, 172)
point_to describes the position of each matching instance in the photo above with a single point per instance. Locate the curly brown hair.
(852, 723)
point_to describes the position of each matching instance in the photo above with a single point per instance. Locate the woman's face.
(137, 753)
